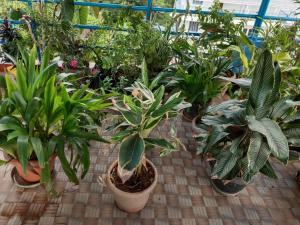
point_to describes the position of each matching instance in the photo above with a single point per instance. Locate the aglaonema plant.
(141, 113)
(245, 134)
(41, 117)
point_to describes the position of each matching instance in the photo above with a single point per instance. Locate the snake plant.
(141, 113)
(40, 116)
(246, 133)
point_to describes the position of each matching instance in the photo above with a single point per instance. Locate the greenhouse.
(149, 112)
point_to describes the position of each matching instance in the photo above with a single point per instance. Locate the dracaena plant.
(141, 113)
(246, 133)
(41, 117)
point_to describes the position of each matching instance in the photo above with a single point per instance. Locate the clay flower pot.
(4, 66)
(33, 171)
(130, 202)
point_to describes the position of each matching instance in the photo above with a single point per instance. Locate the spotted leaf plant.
(245, 134)
(140, 114)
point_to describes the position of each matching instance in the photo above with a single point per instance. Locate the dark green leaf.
(131, 152)
(22, 150)
(39, 150)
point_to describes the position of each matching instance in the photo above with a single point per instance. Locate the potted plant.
(132, 177)
(244, 134)
(195, 77)
(41, 119)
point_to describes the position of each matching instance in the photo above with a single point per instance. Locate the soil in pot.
(133, 195)
(136, 183)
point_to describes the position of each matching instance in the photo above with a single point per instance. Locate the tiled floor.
(183, 195)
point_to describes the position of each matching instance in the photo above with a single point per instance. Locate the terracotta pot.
(3, 67)
(33, 171)
(130, 202)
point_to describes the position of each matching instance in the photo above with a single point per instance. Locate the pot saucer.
(20, 182)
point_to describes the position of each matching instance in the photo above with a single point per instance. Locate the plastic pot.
(230, 188)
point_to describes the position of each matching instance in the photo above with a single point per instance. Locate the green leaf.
(224, 164)
(242, 55)
(282, 108)
(159, 94)
(131, 152)
(9, 123)
(16, 133)
(46, 178)
(172, 102)
(9, 85)
(268, 171)
(262, 84)
(67, 10)
(83, 14)
(145, 77)
(21, 79)
(276, 139)
(158, 142)
(31, 65)
(292, 132)
(234, 147)
(214, 137)
(121, 135)
(85, 160)
(257, 154)
(22, 150)
(151, 123)
(144, 90)
(64, 162)
(32, 108)
(134, 118)
(128, 101)
(39, 150)
(49, 96)
(19, 101)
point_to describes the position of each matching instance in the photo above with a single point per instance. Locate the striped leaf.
(277, 141)
(224, 164)
(257, 154)
(262, 84)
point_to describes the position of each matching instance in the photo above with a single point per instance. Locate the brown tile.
(212, 212)
(78, 210)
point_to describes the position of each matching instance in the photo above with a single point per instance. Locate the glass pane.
(283, 8)
(127, 2)
(164, 3)
(236, 6)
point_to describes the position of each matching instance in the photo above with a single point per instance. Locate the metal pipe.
(261, 14)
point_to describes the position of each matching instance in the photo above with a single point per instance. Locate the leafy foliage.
(246, 133)
(140, 114)
(196, 72)
(41, 117)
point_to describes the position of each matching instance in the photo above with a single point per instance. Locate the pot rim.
(115, 189)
